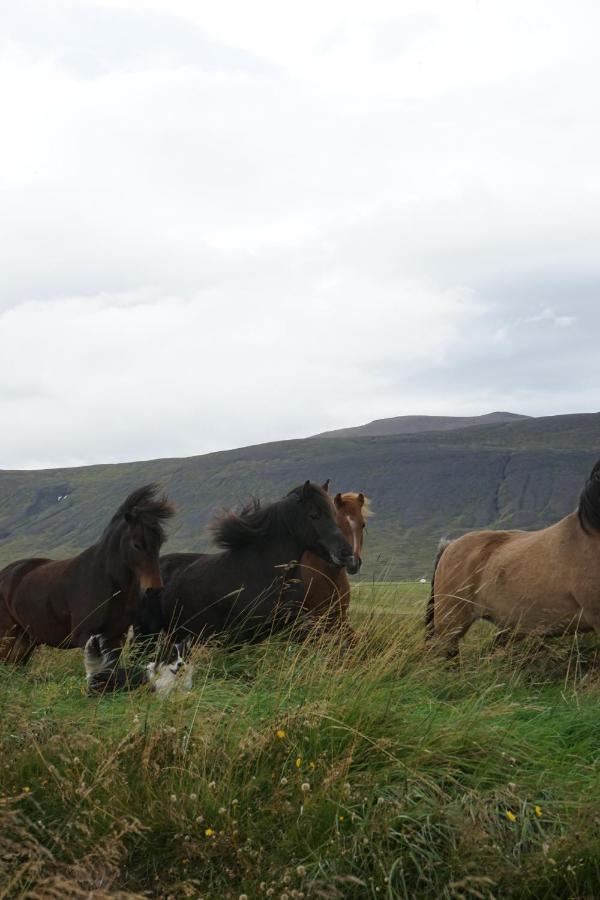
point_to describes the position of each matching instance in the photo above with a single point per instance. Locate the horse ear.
(338, 501)
(325, 485)
(361, 499)
(305, 492)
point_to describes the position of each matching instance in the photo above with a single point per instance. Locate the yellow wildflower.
(538, 811)
(27, 789)
(341, 818)
(510, 816)
(311, 765)
(280, 733)
(298, 762)
(209, 832)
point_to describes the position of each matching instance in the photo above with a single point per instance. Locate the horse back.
(238, 593)
(462, 566)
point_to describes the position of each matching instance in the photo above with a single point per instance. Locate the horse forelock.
(148, 508)
(352, 498)
(588, 509)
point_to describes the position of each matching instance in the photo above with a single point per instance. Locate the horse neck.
(314, 564)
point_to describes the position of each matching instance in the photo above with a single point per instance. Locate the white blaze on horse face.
(355, 535)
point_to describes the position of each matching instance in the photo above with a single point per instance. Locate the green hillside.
(522, 474)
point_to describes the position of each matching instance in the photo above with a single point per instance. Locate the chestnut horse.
(526, 582)
(62, 603)
(326, 587)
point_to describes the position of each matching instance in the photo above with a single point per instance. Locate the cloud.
(238, 223)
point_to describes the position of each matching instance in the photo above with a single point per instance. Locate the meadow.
(308, 770)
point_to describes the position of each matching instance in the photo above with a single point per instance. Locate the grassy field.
(297, 771)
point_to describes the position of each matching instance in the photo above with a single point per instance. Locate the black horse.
(252, 588)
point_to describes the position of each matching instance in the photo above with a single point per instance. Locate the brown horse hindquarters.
(36, 604)
(16, 645)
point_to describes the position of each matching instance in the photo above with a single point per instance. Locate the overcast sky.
(234, 222)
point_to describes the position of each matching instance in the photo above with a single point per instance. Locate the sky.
(230, 223)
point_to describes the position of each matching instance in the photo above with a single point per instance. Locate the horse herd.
(279, 565)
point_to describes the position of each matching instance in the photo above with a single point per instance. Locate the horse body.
(543, 582)
(61, 603)
(253, 587)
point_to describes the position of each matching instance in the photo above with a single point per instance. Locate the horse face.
(141, 549)
(317, 528)
(351, 513)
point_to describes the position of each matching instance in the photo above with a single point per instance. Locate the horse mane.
(252, 523)
(352, 496)
(146, 506)
(588, 510)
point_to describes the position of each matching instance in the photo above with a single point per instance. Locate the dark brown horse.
(62, 603)
(326, 587)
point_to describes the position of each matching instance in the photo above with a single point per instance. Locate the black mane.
(146, 506)
(254, 522)
(589, 502)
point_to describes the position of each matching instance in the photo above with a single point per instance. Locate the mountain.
(419, 424)
(516, 474)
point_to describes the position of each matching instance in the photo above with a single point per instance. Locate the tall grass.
(310, 770)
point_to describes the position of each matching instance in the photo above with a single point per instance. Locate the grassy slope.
(524, 474)
(414, 773)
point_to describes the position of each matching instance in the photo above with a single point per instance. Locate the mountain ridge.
(522, 474)
(419, 424)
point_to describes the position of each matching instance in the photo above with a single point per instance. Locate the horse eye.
(137, 545)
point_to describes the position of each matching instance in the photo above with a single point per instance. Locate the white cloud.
(234, 222)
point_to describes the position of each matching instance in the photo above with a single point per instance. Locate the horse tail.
(431, 602)
(588, 509)
(102, 671)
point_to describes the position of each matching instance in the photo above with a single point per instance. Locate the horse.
(253, 587)
(542, 582)
(62, 603)
(326, 587)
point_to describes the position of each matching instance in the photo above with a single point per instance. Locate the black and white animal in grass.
(104, 675)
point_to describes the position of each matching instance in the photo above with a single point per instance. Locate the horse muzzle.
(353, 565)
(150, 580)
(345, 560)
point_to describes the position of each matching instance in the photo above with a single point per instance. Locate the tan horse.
(326, 587)
(538, 582)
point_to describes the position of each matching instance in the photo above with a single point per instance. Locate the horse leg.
(452, 618)
(16, 646)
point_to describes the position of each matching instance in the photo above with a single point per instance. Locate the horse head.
(313, 522)
(352, 511)
(141, 534)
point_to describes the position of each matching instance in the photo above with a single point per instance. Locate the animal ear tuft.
(338, 501)
(305, 492)
(361, 499)
(325, 485)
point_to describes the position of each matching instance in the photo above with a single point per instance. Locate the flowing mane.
(588, 509)
(252, 523)
(146, 506)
